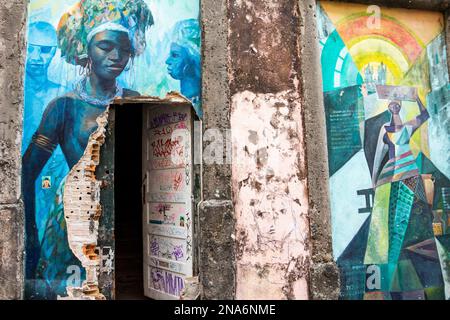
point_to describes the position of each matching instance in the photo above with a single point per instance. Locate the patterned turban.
(186, 34)
(89, 17)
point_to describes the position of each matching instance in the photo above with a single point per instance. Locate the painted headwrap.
(186, 33)
(87, 18)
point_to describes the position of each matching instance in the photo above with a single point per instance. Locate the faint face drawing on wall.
(109, 52)
(178, 62)
(41, 48)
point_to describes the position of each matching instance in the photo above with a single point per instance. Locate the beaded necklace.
(80, 90)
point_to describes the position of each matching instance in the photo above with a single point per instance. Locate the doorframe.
(105, 172)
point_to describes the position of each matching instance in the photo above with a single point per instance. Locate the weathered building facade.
(282, 187)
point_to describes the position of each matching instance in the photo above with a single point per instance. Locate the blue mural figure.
(102, 36)
(184, 64)
(39, 90)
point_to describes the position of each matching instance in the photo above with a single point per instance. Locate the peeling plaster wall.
(271, 197)
(268, 171)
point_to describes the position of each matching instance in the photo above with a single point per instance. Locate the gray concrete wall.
(12, 50)
(216, 220)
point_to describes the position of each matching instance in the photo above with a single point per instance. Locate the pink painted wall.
(270, 196)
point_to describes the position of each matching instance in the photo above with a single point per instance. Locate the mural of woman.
(183, 63)
(397, 186)
(101, 36)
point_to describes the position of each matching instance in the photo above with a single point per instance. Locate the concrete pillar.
(269, 176)
(216, 218)
(12, 52)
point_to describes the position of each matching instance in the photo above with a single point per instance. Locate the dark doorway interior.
(128, 202)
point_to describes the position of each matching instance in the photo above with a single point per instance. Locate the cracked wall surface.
(270, 191)
(271, 203)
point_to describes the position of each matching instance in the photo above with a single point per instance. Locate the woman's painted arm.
(421, 118)
(36, 156)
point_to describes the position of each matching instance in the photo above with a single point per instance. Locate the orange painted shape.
(389, 29)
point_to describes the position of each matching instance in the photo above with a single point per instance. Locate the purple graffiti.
(154, 247)
(178, 252)
(167, 118)
(174, 284)
(158, 279)
(167, 282)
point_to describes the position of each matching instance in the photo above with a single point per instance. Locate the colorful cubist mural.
(81, 55)
(386, 96)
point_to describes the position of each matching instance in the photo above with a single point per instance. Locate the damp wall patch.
(386, 97)
(80, 56)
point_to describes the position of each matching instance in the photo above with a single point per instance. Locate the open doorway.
(154, 198)
(128, 202)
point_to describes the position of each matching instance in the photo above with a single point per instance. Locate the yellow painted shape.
(378, 240)
(394, 69)
(379, 44)
(418, 76)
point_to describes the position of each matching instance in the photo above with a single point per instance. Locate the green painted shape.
(405, 277)
(434, 293)
(420, 224)
(349, 74)
(344, 114)
(443, 248)
(385, 280)
(400, 205)
(378, 239)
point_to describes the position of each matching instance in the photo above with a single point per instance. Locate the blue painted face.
(39, 58)
(42, 43)
(178, 62)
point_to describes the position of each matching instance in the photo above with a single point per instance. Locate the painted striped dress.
(401, 164)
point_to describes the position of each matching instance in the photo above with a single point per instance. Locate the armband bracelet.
(44, 143)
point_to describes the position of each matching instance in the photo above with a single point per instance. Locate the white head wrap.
(110, 26)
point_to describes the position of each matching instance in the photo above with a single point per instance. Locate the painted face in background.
(178, 62)
(41, 48)
(110, 52)
(394, 107)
